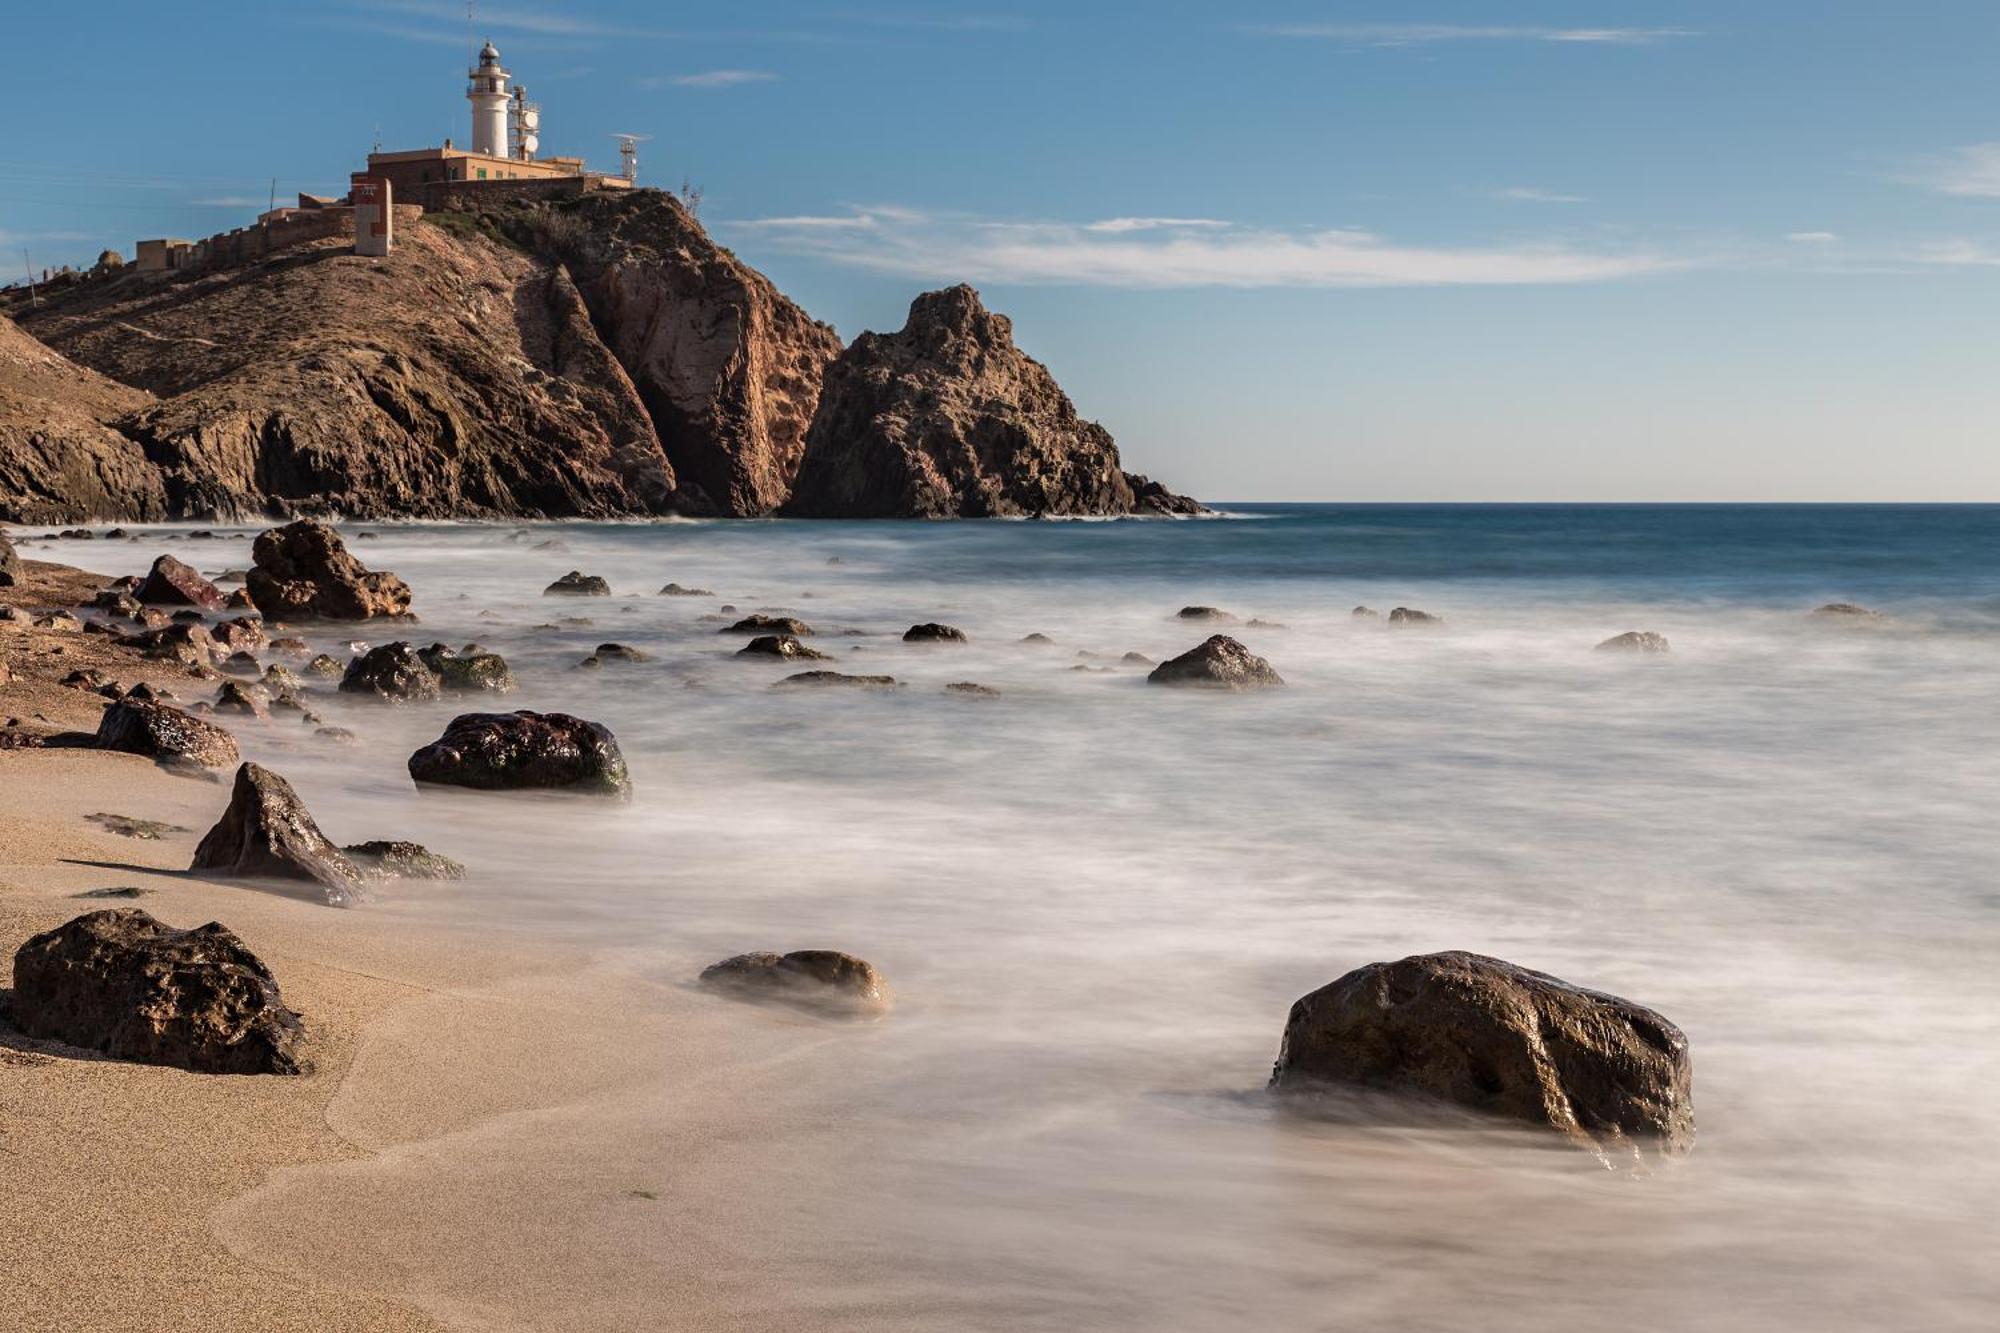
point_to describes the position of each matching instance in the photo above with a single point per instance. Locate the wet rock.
(966, 689)
(1038, 640)
(120, 982)
(243, 634)
(160, 731)
(618, 652)
(86, 678)
(171, 583)
(1219, 663)
(402, 860)
(391, 671)
(1847, 612)
(1254, 623)
(117, 891)
(819, 979)
(1137, 660)
(574, 584)
(1487, 1035)
(676, 590)
(322, 665)
(760, 624)
(278, 677)
(125, 826)
(782, 645)
(243, 664)
(189, 645)
(835, 679)
(1210, 613)
(59, 620)
(338, 735)
(118, 602)
(238, 600)
(188, 617)
(266, 833)
(1637, 641)
(934, 633)
(524, 750)
(235, 697)
(147, 693)
(1404, 615)
(469, 672)
(303, 571)
(298, 650)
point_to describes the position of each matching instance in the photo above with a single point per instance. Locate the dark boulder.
(159, 731)
(1220, 663)
(1637, 641)
(189, 645)
(676, 590)
(933, 632)
(618, 652)
(472, 672)
(391, 671)
(1484, 1034)
(303, 571)
(516, 751)
(811, 978)
(575, 584)
(770, 625)
(171, 583)
(266, 833)
(782, 645)
(1204, 613)
(402, 860)
(248, 700)
(120, 982)
(1404, 615)
(242, 634)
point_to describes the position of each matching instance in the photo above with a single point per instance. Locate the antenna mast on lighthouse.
(628, 153)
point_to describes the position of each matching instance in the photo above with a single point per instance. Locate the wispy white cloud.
(713, 78)
(1972, 171)
(1418, 34)
(1960, 252)
(1812, 237)
(1116, 225)
(1529, 194)
(1212, 253)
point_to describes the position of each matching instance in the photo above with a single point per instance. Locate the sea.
(1096, 899)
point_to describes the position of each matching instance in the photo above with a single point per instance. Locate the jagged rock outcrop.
(304, 570)
(948, 418)
(120, 982)
(1485, 1034)
(455, 377)
(1217, 663)
(266, 833)
(729, 368)
(161, 731)
(60, 459)
(171, 582)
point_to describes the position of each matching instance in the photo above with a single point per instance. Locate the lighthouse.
(488, 95)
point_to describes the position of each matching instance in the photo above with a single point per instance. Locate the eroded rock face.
(172, 583)
(391, 671)
(1219, 663)
(1485, 1034)
(266, 833)
(524, 751)
(948, 418)
(303, 571)
(821, 979)
(120, 982)
(160, 731)
(1639, 641)
(60, 457)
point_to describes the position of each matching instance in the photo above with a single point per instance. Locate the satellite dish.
(530, 142)
(531, 119)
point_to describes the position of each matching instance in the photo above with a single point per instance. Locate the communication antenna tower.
(524, 124)
(628, 153)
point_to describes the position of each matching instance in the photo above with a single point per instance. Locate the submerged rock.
(303, 571)
(120, 982)
(1404, 615)
(837, 679)
(266, 833)
(160, 731)
(1219, 663)
(812, 978)
(618, 652)
(1205, 613)
(933, 632)
(172, 583)
(323, 665)
(468, 672)
(967, 689)
(676, 590)
(575, 584)
(391, 671)
(524, 750)
(235, 697)
(760, 624)
(1636, 641)
(1487, 1035)
(402, 860)
(1846, 611)
(782, 645)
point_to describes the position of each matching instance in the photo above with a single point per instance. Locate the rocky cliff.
(589, 358)
(948, 418)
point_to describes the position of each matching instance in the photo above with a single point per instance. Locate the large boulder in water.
(1220, 663)
(172, 583)
(524, 751)
(121, 982)
(266, 833)
(783, 646)
(949, 418)
(160, 731)
(1499, 1039)
(471, 672)
(810, 978)
(303, 571)
(393, 671)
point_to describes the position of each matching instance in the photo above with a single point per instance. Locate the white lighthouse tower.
(488, 95)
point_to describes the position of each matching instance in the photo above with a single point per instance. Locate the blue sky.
(1450, 251)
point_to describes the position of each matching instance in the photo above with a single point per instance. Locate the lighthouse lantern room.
(488, 95)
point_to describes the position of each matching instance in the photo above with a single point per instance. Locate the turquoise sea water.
(1097, 898)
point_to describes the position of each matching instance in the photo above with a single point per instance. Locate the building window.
(482, 173)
